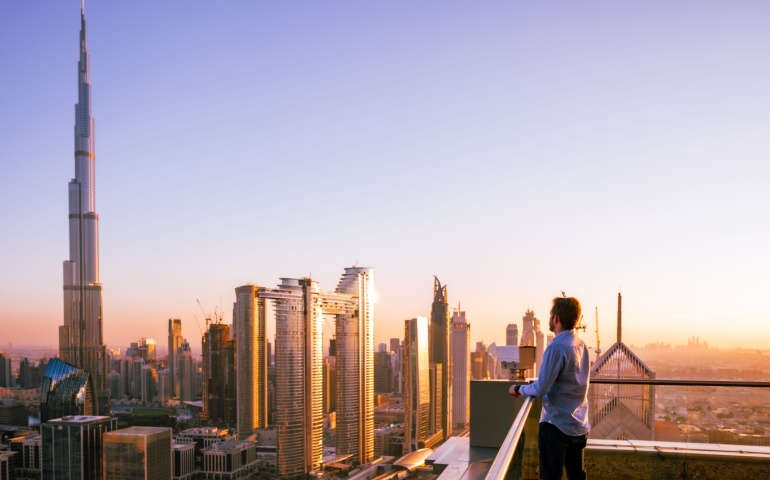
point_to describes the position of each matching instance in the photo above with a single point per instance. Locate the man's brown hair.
(568, 310)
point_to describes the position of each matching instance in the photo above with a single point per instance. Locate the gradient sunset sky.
(514, 149)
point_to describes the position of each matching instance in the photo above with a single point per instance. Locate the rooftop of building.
(205, 432)
(139, 431)
(229, 446)
(15, 429)
(79, 419)
(31, 437)
(504, 443)
(412, 460)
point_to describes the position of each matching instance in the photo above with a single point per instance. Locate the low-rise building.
(72, 446)
(8, 465)
(138, 453)
(203, 437)
(184, 461)
(229, 460)
(29, 456)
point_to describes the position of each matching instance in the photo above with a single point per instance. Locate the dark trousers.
(558, 451)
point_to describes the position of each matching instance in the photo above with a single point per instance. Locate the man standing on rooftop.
(562, 382)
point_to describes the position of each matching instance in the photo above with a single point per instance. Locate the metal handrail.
(504, 456)
(502, 461)
(682, 383)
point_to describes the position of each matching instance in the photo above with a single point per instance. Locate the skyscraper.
(249, 331)
(136, 378)
(528, 329)
(416, 383)
(383, 372)
(5, 370)
(25, 374)
(539, 347)
(80, 338)
(217, 376)
(187, 372)
(66, 390)
(355, 365)
(530, 338)
(172, 360)
(330, 384)
(480, 363)
(397, 347)
(164, 390)
(299, 376)
(512, 334)
(435, 379)
(149, 382)
(439, 355)
(460, 339)
(114, 381)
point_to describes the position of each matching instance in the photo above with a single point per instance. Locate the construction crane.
(598, 347)
(198, 324)
(205, 315)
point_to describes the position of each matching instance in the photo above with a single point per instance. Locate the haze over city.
(514, 150)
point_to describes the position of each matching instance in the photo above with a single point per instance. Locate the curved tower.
(355, 365)
(80, 338)
(65, 390)
(299, 376)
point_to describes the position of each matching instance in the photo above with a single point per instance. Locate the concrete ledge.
(634, 459)
(457, 460)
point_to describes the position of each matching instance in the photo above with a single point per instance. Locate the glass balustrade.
(657, 429)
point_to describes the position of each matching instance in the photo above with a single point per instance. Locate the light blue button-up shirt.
(562, 382)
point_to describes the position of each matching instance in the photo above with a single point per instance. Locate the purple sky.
(514, 149)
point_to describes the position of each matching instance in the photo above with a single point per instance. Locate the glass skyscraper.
(172, 360)
(460, 339)
(416, 382)
(438, 330)
(299, 376)
(80, 338)
(355, 365)
(299, 309)
(66, 390)
(249, 332)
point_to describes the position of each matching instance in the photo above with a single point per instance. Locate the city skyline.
(512, 150)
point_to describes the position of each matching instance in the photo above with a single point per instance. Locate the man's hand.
(514, 391)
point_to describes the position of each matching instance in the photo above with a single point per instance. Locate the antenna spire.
(620, 316)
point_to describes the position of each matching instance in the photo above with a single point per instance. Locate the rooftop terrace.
(699, 440)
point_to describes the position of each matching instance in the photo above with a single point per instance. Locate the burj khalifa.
(80, 338)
